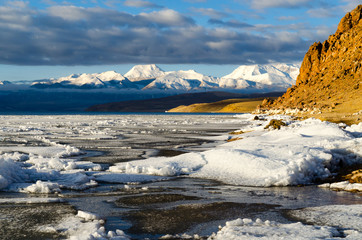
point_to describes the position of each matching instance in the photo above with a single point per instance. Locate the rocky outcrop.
(355, 176)
(330, 79)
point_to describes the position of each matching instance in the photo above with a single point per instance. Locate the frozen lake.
(148, 176)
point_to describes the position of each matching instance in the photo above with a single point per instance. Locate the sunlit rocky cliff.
(330, 79)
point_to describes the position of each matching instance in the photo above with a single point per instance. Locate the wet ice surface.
(59, 160)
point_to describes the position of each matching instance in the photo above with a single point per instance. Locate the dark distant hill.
(64, 100)
(166, 103)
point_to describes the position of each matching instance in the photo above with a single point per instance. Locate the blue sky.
(48, 38)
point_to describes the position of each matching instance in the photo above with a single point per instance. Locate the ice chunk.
(11, 172)
(43, 187)
(86, 215)
(82, 227)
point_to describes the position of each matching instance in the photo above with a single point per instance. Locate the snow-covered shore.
(33, 160)
(299, 153)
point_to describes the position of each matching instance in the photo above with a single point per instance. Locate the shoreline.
(252, 105)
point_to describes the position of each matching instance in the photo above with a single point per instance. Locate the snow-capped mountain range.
(147, 77)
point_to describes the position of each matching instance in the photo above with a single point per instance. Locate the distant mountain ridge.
(97, 80)
(271, 77)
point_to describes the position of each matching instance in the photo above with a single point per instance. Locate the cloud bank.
(72, 35)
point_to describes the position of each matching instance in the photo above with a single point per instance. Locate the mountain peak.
(269, 74)
(350, 20)
(110, 76)
(141, 72)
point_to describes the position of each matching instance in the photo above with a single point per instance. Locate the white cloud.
(323, 12)
(49, 2)
(140, 4)
(17, 15)
(287, 18)
(69, 13)
(223, 45)
(222, 33)
(350, 5)
(70, 35)
(261, 4)
(195, 1)
(167, 17)
(18, 4)
(334, 11)
(210, 12)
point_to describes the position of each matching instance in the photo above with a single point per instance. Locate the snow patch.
(258, 229)
(84, 226)
(87, 216)
(43, 187)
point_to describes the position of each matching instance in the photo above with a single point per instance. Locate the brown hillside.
(329, 85)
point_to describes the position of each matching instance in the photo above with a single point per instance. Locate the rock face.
(330, 78)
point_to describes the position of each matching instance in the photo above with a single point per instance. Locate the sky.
(52, 38)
